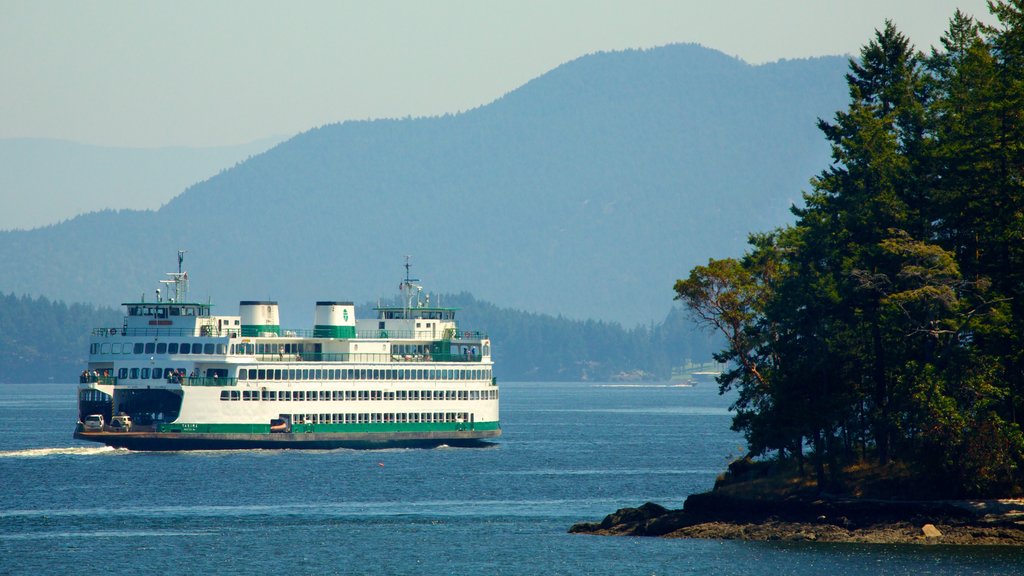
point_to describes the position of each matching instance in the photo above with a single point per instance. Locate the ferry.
(174, 376)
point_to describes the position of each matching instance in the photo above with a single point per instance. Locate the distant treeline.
(49, 341)
(540, 347)
(887, 323)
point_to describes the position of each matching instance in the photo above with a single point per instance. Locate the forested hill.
(579, 194)
(886, 325)
(49, 341)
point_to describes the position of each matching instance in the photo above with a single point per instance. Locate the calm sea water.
(570, 452)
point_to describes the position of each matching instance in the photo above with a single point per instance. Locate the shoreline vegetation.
(876, 345)
(775, 503)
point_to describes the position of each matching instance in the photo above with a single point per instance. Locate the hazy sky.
(204, 73)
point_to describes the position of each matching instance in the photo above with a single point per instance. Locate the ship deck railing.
(206, 331)
(364, 357)
(90, 378)
(375, 334)
(208, 381)
(388, 334)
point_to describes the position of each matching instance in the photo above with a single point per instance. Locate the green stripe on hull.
(185, 428)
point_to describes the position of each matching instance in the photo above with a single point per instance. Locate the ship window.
(273, 394)
(246, 395)
(122, 373)
(161, 348)
(243, 374)
(223, 394)
(172, 348)
(235, 395)
(104, 348)
(158, 373)
(150, 347)
(222, 348)
(145, 373)
(262, 374)
(138, 348)
(208, 348)
(185, 348)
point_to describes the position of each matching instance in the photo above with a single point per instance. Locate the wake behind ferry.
(176, 377)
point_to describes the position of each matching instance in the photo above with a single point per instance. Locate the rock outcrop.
(715, 515)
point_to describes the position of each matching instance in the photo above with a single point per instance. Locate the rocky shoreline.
(720, 516)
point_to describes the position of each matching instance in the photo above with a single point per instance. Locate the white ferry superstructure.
(187, 379)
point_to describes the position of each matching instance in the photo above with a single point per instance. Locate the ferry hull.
(169, 441)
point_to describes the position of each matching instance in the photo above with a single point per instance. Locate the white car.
(121, 423)
(93, 423)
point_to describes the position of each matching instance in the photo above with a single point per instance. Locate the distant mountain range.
(585, 193)
(46, 181)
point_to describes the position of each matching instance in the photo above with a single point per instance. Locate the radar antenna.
(178, 280)
(410, 289)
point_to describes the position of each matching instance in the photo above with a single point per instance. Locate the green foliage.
(46, 341)
(888, 319)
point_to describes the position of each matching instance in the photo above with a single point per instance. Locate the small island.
(875, 347)
(761, 502)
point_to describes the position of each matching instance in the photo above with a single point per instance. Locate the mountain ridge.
(67, 178)
(567, 196)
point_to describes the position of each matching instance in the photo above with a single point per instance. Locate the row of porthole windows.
(364, 374)
(158, 348)
(380, 418)
(356, 395)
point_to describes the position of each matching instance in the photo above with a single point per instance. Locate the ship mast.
(410, 289)
(178, 280)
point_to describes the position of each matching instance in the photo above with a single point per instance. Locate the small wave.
(63, 451)
(632, 386)
(63, 535)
